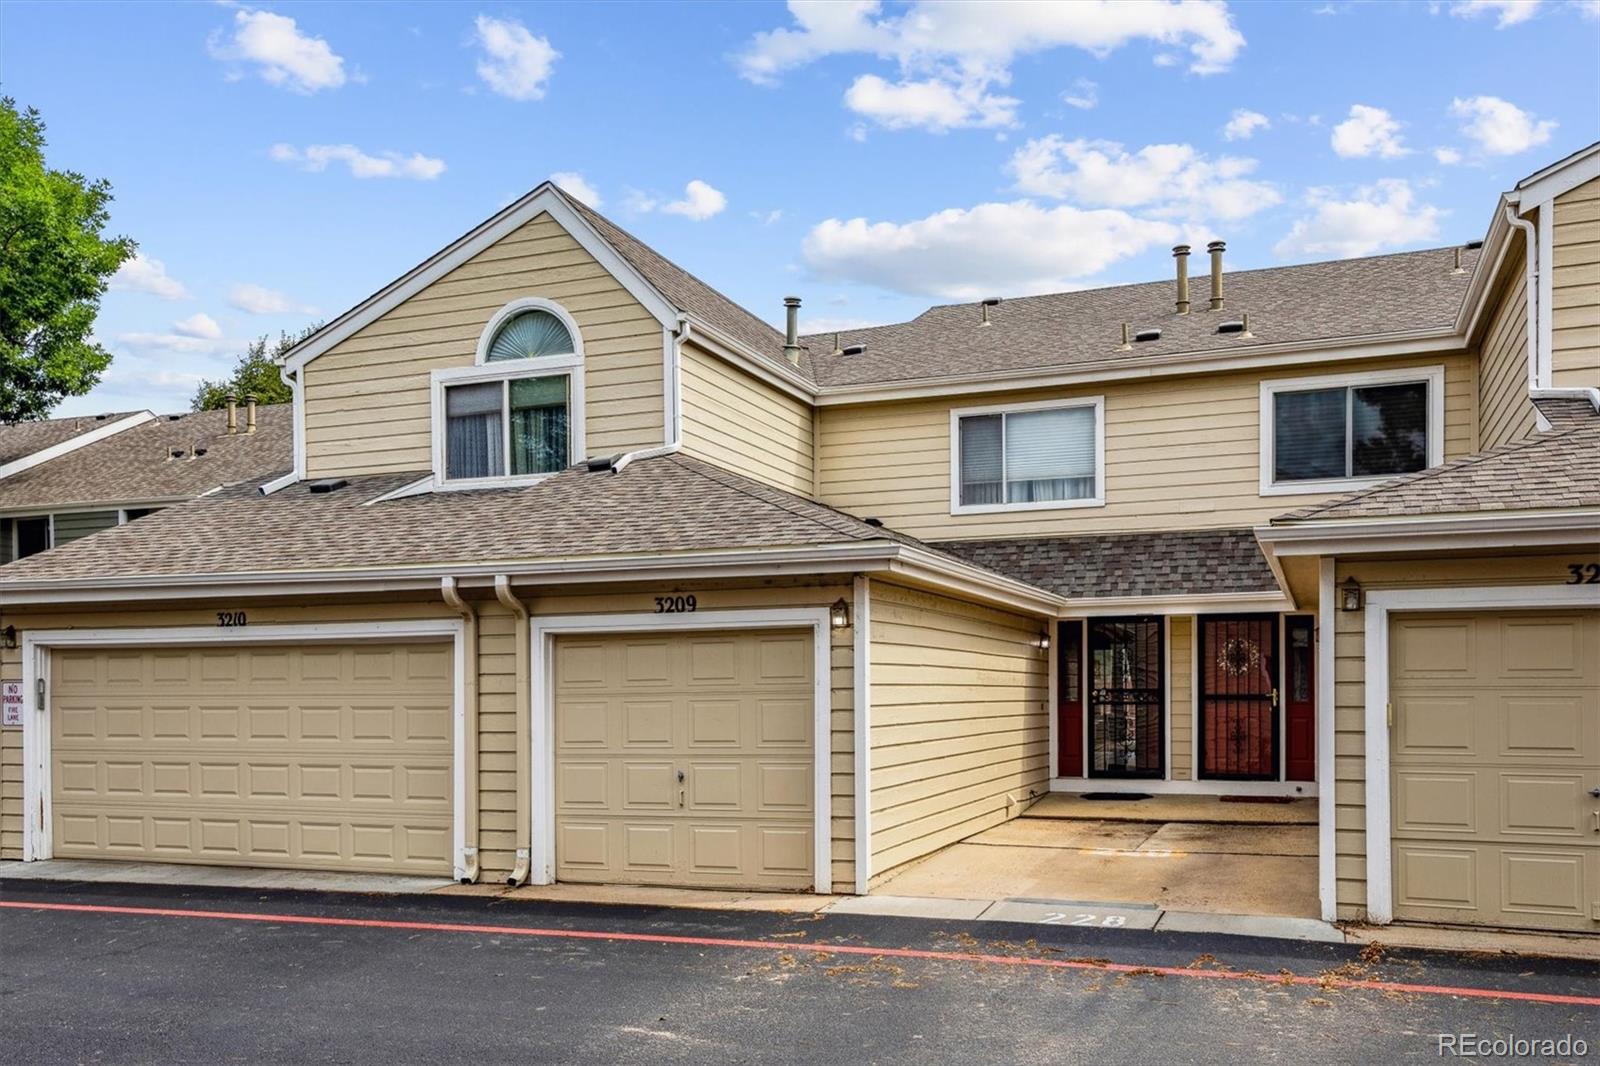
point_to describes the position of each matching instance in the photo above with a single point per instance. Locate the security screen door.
(1126, 696)
(1239, 697)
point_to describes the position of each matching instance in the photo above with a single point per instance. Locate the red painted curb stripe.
(835, 949)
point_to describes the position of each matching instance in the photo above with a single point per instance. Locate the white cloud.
(930, 103)
(952, 55)
(274, 46)
(767, 218)
(143, 274)
(1381, 216)
(576, 186)
(1500, 127)
(317, 157)
(1506, 12)
(1084, 95)
(1168, 179)
(515, 62)
(1589, 8)
(198, 325)
(700, 201)
(260, 300)
(969, 253)
(1243, 124)
(1368, 131)
(1446, 157)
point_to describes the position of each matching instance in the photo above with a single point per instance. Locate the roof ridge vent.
(853, 349)
(1147, 335)
(327, 484)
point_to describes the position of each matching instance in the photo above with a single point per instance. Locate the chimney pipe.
(791, 329)
(250, 414)
(1126, 344)
(1216, 248)
(233, 413)
(1181, 254)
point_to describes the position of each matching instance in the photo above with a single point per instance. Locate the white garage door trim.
(546, 629)
(1380, 883)
(36, 786)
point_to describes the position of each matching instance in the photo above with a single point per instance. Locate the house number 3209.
(675, 604)
(228, 619)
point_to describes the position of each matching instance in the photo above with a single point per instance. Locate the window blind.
(1049, 455)
(529, 335)
(473, 443)
(982, 459)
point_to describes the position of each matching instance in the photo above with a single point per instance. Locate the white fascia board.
(1203, 603)
(1296, 354)
(1410, 533)
(1561, 176)
(93, 507)
(709, 339)
(546, 198)
(1496, 246)
(930, 568)
(99, 433)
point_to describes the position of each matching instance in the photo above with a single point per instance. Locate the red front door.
(1239, 697)
(1300, 699)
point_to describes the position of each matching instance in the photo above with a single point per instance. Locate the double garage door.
(1495, 756)
(331, 757)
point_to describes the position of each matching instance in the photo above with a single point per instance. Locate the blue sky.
(277, 163)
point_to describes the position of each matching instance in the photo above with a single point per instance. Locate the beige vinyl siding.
(71, 527)
(1575, 287)
(1504, 409)
(960, 733)
(1349, 685)
(1181, 453)
(741, 423)
(368, 400)
(1180, 695)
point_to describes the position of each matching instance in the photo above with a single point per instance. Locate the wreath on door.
(1239, 656)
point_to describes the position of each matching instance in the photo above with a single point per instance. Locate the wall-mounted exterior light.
(1350, 595)
(839, 614)
(1044, 642)
(8, 637)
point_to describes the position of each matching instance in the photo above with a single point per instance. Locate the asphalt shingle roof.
(21, 439)
(1411, 291)
(1545, 471)
(132, 466)
(660, 506)
(1178, 563)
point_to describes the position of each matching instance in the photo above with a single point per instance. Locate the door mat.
(1258, 799)
(1116, 795)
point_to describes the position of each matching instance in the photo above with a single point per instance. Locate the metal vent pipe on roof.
(1181, 254)
(233, 413)
(791, 329)
(992, 301)
(1216, 248)
(249, 414)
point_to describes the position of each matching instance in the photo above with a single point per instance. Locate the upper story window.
(518, 414)
(1033, 456)
(1337, 433)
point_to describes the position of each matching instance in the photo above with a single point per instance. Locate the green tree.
(54, 264)
(255, 374)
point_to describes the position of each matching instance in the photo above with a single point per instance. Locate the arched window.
(530, 335)
(518, 414)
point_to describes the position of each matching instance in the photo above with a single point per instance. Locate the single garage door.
(313, 757)
(1495, 752)
(685, 759)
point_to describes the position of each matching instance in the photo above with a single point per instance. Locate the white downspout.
(502, 591)
(292, 380)
(1531, 271)
(674, 431)
(469, 754)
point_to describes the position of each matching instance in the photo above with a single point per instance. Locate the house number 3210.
(1583, 573)
(228, 619)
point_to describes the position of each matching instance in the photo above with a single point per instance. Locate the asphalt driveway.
(112, 974)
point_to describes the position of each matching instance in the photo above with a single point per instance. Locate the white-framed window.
(516, 415)
(1339, 432)
(1028, 456)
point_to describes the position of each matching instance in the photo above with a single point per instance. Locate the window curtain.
(539, 442)
(1308, 435)
(473, 444)
(529, 335)
(982, 460)
(1050, 455)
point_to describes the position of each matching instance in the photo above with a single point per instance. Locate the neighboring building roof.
(133, 466)
(21, 439)
(576, 513)
(1178, 563)
(689, 294)
(1545, 471)
(1403, 293)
